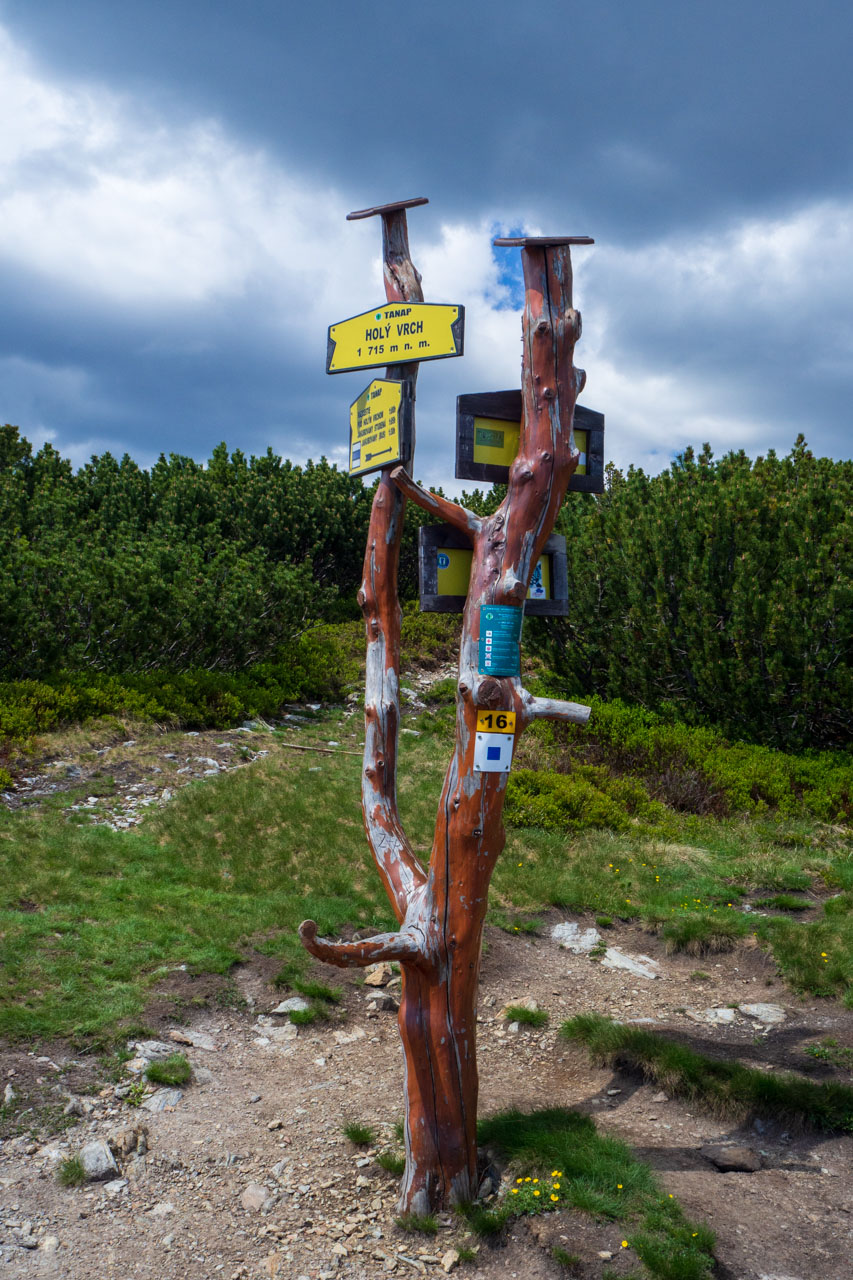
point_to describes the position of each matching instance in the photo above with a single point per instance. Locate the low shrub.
(322, 664)
(695, 769)
(587, 797)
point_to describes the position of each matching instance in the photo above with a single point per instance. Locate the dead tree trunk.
(441, 911)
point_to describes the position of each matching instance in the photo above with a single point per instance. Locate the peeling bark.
(441, 910)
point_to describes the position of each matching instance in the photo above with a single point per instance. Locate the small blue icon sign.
(443, 560)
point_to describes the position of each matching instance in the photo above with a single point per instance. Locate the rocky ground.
(244, 1172)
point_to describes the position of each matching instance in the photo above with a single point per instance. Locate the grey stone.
(714, 1017)
(97, 1161)
(162, 1209)
(640, 966)
(254, 1197)
(162, 1099)
(293, 1004)
(733, 1159)
(570, 936)
(283, 1035)
(152, 1048)
(198, 1039)
(769, 1014)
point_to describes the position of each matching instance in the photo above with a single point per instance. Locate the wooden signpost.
(441, 907)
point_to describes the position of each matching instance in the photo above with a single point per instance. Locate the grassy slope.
(238, 861)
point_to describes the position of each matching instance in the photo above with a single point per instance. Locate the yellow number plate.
(496, 722)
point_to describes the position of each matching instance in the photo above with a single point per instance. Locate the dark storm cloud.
(173, 245)
(635, 117)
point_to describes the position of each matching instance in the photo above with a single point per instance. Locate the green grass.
(361, 1135)
(783, 902)
(71, 1172)
(569, 1261)
(690, 884)
(173, 1070)
(391, 1162)
(230, 865)
(527, 1017)
(829, 1050)
(513, 923)
(727, 1089)
(317, 990)
(305, 1017)
(234, 863)
(422, 1223)
(596, 1174)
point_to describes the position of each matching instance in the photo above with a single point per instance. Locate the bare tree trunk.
(441, 913)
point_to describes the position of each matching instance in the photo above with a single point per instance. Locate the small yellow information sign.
(378, 422)
(396, 333)
(454, 574)
(496, 442)
(496, 722)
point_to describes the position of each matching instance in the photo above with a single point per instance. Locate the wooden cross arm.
(460, 517)
(550, 709)
(385, 946)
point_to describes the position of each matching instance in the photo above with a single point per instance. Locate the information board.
(500, 640)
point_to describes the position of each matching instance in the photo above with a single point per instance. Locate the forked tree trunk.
(441, 910)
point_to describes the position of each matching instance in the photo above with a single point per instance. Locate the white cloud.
(147, 219)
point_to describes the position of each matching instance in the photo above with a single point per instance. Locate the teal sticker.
(500, 639)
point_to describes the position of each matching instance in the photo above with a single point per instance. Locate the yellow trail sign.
(396, 333)
(380, 427)
(496, 722)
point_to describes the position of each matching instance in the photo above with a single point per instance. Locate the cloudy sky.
(175, 175)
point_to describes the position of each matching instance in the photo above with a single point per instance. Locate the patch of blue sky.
(509, 296)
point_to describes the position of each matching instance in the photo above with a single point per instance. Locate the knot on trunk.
(489, 694)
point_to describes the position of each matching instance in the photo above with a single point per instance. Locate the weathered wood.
(441, 912)
(395, 207)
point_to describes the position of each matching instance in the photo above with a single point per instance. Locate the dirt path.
(249, 1175)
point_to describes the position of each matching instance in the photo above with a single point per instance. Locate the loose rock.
(254, 1197)
(162, 1099)
(640, 966)
(97, 1161)
(377, 975)
(733, 1159)
(769, 1014)
(570, 936)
